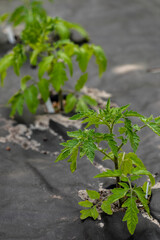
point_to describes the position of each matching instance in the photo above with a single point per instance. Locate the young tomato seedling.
(128, 167)
(52, 57)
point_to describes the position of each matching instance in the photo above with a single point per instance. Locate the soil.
(100, 96)
(104, 194)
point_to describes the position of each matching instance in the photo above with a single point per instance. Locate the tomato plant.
(128, 167)
(53, 58)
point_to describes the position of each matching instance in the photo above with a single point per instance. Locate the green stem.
(130, 184)
(116, 167)
(60, 99)
(101, 150)
(105, 122)
(120, 146)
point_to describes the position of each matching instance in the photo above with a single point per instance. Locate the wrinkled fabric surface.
(39, 198)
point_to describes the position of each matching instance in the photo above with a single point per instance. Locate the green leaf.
(133, 178)
(123, 108)
(131, 214)
(136, 127)
(153, 126)
(144, 187)
(17, 15)
(108, 105)
(135, 160)
(67, 60)
(5, 63)
(70, 147)
(34, 56)
(79, 116)
(31, 98)
(133, 137)
(64, 154)
(62, 30)
(141, 196)
(89, 149)
(75, 134)
(70, 48)
(17, 102)
(76, 27)
(106, 207)
(138, 171)
(3, 17)
(86, 203)
(124, 185)
(132, 114)
(44, 65)
(43, 86)
(125, 164)
(24, 80)
(81, 106)
(71, 101)
(93, 194)
(94, 213)
(73, 160)
(83, 58)
(70, 143)
(81, 82)
(100, 59)
(85, 214)
(58, 76)
(118, 193)
(157, 120)
(109, 173)
(89, 100)
(112, 143)
(19, 57)
(122, 130)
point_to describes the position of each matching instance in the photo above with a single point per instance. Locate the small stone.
(8, 148)
(45, 139)
(55, 153)
(101, 225)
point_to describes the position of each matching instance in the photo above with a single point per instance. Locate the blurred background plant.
(47, 42)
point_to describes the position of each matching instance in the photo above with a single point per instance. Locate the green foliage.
(58, 76)
(53, 58)
(92, 210)
(5, 63)
(3, 17)
(81, 82)
(31, 98)
(128, 166)
(131, 213)
(93, 194)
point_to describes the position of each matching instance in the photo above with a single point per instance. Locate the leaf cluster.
(54, 59)
(128, 166)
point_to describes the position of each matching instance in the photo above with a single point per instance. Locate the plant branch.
(120, 146)
(116, 167)
(102, 151)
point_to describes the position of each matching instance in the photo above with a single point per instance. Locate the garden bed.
(39, 198)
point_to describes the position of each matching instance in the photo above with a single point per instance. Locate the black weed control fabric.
(39, 198)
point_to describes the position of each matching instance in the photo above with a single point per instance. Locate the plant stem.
(119, 148)
(60, 100)
(116, 167)
(101, 150)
